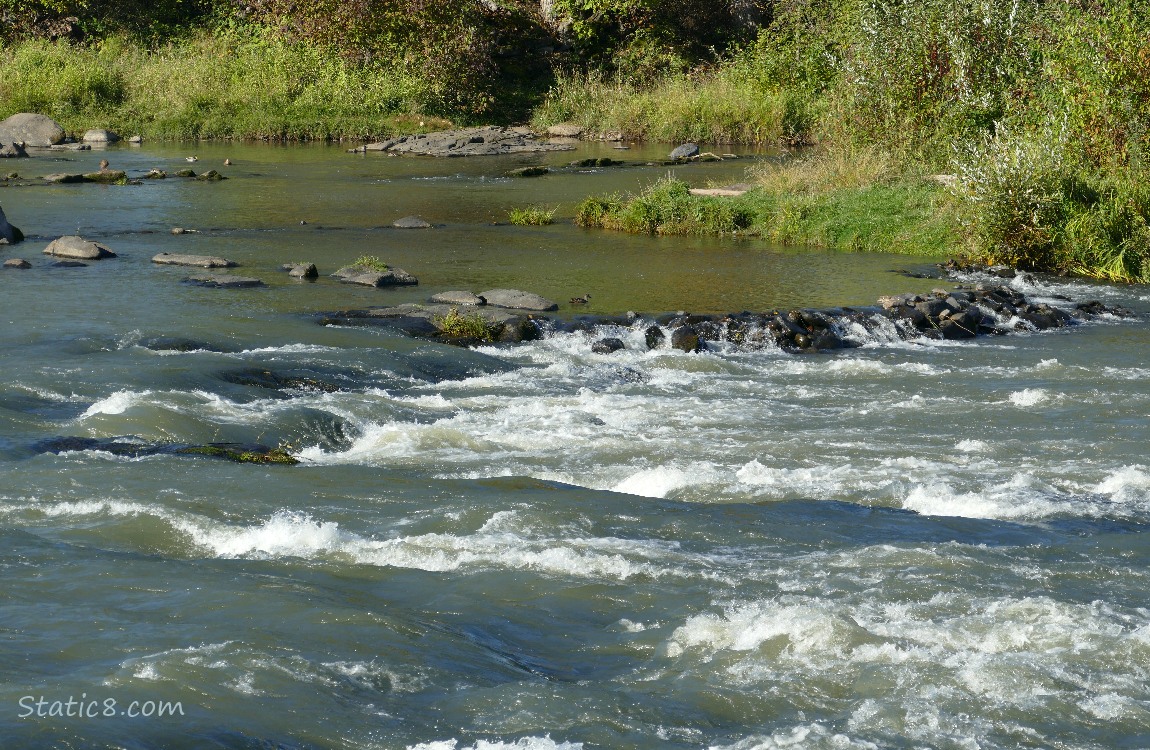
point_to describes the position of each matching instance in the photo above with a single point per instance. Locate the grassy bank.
(1038, 111)
(232, 86)
(856, 203)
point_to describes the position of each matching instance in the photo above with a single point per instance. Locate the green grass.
(208, 87)
(531, 216)
(371, 263)
(472, 326)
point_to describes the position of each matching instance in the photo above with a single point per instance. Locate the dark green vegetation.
(536, 216)
(472, 327)
(1014, 131)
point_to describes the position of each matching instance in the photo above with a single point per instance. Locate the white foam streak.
(523, 743)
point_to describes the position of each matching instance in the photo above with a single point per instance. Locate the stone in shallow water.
(196, 261)
(72, 246)
(223, 281)
(364, 276)
(17, 263)
(457, 298)
(517, 299)
(686, 151)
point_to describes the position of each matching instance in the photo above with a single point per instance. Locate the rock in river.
(9, 235)
(30, 129)
(366, 276)
(516, 299)
(457, 298)
(482, 141)
(411, 222)
(223, 281)
(71, 246)
(686, 151)
(196, 261)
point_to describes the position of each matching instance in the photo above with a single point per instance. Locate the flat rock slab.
(196, 261)
(411, 222)
(111, 176)
(17, 263)
(565, 130)
(31, 129)
(71, 246)
(516, 299)
(371, 277)
(457, 298)
(223, 281)
(484, 141)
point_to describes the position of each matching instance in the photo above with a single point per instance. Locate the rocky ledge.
(244, 453)
(963, 313)
(485, 141)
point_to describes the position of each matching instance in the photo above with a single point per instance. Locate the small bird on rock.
(581, 300)
(227, 162)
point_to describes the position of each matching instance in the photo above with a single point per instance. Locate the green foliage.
(371, 263)
(472, 326)
(531, 216)
(666, 207)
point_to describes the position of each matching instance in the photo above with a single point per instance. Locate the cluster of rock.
(503, 315)
(26, 130)
(482, 141)
(963, 313)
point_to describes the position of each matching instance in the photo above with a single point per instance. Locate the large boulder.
(12, 151)
(78, 248)
(516, 299)
(9, 235)
(30, 129)
(686, 151)
(99, 135)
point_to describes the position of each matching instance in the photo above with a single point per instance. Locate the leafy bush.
(473, 326)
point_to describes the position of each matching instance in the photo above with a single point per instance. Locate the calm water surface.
(904, 545)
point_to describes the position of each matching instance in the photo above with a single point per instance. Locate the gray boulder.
(78, 248)
(196, 261)
(565, 130)
(301, 270)
(686, 151)
(364, 276)
(516, 299)
(458, 298)
(481, 141)
(9, 235)
(30, 129)
(99, 135)
(607, 346)
(17, 263)
(12, 151)
(411, 222)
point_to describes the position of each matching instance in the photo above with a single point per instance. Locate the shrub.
(371, 262)
(472, 326)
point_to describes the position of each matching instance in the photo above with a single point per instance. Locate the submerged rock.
(411, 222)
(223, 281)
(17, 263)
(481, 141)
(71, 246)
(608, 345)
(196, 261)
(245, 453)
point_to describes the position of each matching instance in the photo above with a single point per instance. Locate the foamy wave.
(523, 743)
(797, 629)
(118, 403)
(808, 737)
(290, 534)
(1022, 497)
(1028, 397)
(1130, 484)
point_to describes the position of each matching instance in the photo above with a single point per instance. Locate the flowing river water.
(919, 545)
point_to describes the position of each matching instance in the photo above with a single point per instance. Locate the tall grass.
(237, 86)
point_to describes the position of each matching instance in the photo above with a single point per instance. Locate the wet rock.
(292, 380)
(481, 141)
(71, 147)
(68, 264)
(223, 281)
(528, 172)
(685, 338)
(99, 135)
(37, 131)
(210, 176)
(71, 246)
(156, 174)
(458, 298)
(411, 222)
(684, 152)
(516, 299)
(565, 130)
(185, 173)
(607, 346)
(364, 276)
(592, 163)
(9, 235)
(183, 230)
(178, 344)
(195, 261)
(17, 263)
(12, 151)
(302, 270)
(654, 337)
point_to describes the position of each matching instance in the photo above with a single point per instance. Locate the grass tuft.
(534, 216)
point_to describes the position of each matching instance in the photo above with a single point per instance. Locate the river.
(923, 544)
